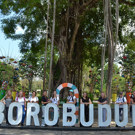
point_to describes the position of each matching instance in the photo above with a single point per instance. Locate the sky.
(9, 47)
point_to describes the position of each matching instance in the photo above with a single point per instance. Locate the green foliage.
(63, 100)
(91, 96)
(7, 73)
(118, 83)
(131, 45)
(30, 14)
(128, 67)
(39, 98)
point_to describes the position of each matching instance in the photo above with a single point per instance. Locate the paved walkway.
(34, 131)
(46, 132)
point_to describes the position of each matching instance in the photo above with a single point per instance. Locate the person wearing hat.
(121, 100)
(71, 99)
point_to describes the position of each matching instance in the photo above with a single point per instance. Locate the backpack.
(73, 100)
(122, 99)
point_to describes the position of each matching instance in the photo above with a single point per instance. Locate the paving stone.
(48, 132)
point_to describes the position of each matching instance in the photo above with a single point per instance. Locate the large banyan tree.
(78, 31)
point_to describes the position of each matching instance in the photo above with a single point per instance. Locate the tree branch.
(89, 3)
(77, 24)
(80, 10)
(127, 2)
(85, 4)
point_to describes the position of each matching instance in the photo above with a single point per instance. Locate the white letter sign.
(69, 114)
(19, 113)
(104, 115)
(125, 115)
(82, 115)
(33, 114)
(133, 114)
(46, 114)
(2, 107)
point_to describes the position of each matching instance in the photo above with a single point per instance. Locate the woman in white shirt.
(54, 100)
(21, 99)
(34, 98)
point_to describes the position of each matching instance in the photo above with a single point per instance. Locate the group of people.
(71, 99)
(45, 100)
(121, 100)
(8, 99)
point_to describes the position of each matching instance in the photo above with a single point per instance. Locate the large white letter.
(133, 114)
(33, 114)
(104, 115)
(43, 116)
(82, 115)
(125, 115)
(2, 107)
(46, 114)
(69, 114)
(19, 113)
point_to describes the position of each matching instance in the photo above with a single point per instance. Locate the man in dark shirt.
(102, 100)
(44, 101)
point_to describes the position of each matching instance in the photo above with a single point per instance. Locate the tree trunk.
(52, 45)
(102, 67)
(67, 35)
(46, 40)
(30, 84)
(81, 76)
(105, 39)
(110, 52)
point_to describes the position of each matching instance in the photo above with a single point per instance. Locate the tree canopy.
(78, 37)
